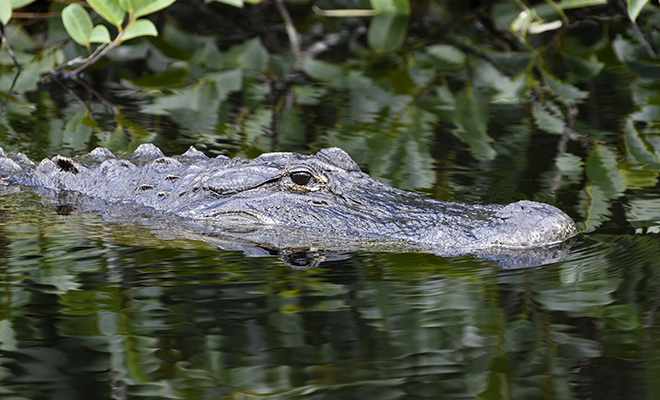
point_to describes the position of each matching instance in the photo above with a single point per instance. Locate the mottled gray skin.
(259, 201)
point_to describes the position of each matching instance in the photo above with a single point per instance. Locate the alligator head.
(327, 196)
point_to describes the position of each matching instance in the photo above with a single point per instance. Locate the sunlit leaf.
(110, 10)
(151, 6)
(635, 7)
(236, 3)
(141, 27)
(100, 34)
(5, 11)
(20, 3)
(387, 32)
(130, 5)
(77, 23)
(391, 6)
(568, 4)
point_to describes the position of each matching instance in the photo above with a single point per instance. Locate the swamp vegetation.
(474, 101)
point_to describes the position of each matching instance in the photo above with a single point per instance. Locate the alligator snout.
(526, 224)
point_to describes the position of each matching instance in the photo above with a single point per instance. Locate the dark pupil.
(301, 178)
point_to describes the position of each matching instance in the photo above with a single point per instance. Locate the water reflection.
(83, 313)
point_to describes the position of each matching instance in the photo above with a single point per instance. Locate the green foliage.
(635, 7)
(5, 11)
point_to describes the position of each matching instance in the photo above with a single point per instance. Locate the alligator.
(285, 201)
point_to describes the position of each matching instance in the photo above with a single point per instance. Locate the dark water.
(98, 310)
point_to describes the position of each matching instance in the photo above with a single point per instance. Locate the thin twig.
(24, 15)
(18, 69)
(112, 108)
(291, 31)
(9, 49)
(9, 93)
(571, 113)
(80, 60)
(98, 55)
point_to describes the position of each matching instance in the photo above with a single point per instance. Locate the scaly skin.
(290, 200)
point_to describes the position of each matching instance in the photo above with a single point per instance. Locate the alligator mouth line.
(237, 217)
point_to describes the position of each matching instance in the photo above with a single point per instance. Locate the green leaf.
(100, 34)
(564, 91)
(255, 56)
(5, 11)
(151, 6)
(129, 5)
(77, 23)
(547, 120)
(638, 147)
(326, 72)
(110, 10)
(601, 170)
(635, 7)
(446, 56)
(387, 32)
(163, 80)
(568, 4)
(636, 178)
(471, 126)
(235, 3)
(585, 68)
(141, 27)
(401, 7)
(20, 3)
(621, 316)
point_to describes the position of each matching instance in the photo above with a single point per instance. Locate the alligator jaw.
(525, 224)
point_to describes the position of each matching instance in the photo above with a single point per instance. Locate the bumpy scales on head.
(278, 199)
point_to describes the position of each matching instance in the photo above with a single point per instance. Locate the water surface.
(93, 307)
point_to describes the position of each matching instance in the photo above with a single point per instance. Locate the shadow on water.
(91, 307)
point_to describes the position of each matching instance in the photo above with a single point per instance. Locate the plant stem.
(291, 31)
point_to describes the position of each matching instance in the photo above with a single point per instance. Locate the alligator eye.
(301, 177)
